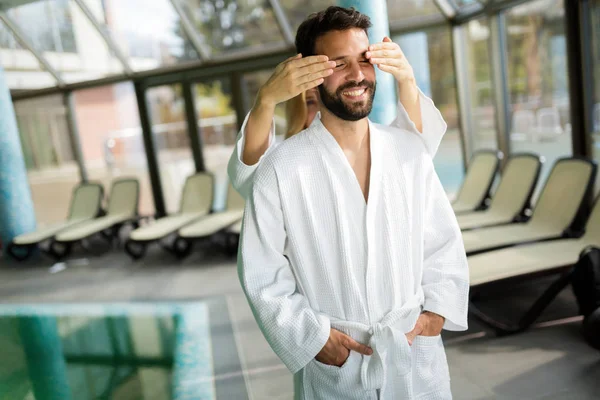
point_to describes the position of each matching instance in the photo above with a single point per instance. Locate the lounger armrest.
(573, 233)
(587, 249)
(473, 228)
(521, 218)
(144, 219)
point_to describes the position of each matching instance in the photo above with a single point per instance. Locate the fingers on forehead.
(383, 46)
(314, 59)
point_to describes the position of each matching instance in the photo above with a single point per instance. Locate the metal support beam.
(283, 22)
(105, 35)
(246, 61)
(193, 128)
(468, 12)
(74, 135)
(497, 49)
(446, 7)
(460, 58)
(188, 29)
(239, 93)
(475, 10)
(578, 33)
(150, 148)
(23, 41)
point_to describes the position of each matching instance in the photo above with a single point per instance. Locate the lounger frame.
(182, 246)
(525, 213)
(61, 249)
(136, 249)
(502, 328)
(576, 228)
(564, 273)
(28, 248)
(486, 198)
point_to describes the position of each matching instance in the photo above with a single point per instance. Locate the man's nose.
(355, 73)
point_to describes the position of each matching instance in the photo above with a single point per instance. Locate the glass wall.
(51, 166)
(480, 85)
(111, 138)
(218, 126)
(430, 54)
(538, 81)
(169, 126)
(595, 42)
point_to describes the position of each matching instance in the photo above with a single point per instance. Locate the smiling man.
(350, 254)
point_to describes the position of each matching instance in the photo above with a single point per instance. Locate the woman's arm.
(292, 77)
(417, 113)
(241, 173)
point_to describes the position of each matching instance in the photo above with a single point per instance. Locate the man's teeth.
(355, 92)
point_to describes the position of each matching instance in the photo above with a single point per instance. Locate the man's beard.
(353, 111)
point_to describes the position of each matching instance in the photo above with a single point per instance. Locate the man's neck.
(348, 134)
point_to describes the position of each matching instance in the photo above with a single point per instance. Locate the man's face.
(348, 92)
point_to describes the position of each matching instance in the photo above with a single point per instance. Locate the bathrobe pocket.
(431, 377)
(328, 382)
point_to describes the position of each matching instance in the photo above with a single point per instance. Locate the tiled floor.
(550, 362)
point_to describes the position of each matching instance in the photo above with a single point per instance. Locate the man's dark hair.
(331, 19)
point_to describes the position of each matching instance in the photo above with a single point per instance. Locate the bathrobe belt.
(388, 341)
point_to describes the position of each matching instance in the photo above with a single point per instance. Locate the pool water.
(119, 351)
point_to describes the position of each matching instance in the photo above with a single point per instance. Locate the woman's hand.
(294, 76)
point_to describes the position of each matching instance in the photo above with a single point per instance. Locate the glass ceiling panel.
(64, 36)
(148, 32)
(21, 69)
(227, 25)
(400, 10)
(298, 10)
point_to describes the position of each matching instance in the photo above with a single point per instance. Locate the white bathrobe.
(314, 255)
(434, 128)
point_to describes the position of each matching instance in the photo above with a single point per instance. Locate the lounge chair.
(122, 209)
(555, 257)
(211, 224)
(474, 193)
(236, 228)
(196, 202)
(86, 204)
(557, 214)
(512, 199)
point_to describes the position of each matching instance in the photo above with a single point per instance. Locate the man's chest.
(328, 197)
